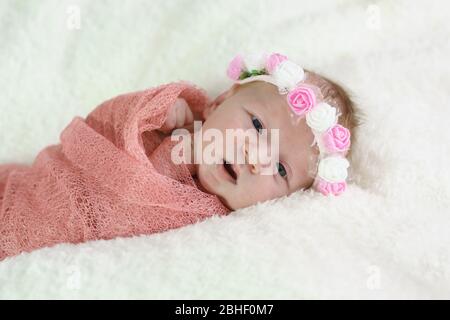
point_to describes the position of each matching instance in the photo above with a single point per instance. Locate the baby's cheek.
(235, 122)
(266, 188)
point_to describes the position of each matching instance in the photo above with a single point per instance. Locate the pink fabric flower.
(335, 188)
(337, 139)
(273, 61)
(235, 67)
(301, 100)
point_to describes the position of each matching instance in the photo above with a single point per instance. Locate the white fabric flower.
(255, 61)
(288, 74)
(333, 169)
(321, 117)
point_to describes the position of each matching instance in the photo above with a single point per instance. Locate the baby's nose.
(254, 164)
(259, 160)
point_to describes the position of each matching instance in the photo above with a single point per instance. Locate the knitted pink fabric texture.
(110, 176)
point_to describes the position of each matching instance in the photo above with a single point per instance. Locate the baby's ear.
(218, 100)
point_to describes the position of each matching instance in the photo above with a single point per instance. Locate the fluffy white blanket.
(387, 237)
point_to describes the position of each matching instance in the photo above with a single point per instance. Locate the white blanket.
(387, 237)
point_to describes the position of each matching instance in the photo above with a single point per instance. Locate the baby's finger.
(189, 118)
(181, 115)
(170, 121)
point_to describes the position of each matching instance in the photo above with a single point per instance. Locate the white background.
(387, 237)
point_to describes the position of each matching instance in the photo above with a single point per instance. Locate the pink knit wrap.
(110, 176)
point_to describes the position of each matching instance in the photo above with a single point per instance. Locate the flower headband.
(303, 99)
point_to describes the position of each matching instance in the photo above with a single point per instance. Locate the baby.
(140, 164)
(256, 103)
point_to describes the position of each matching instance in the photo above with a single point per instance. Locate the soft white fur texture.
(387, 237)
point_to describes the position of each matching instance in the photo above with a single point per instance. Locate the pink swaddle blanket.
(110, 176)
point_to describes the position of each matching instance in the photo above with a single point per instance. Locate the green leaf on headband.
(247, 74)
(258, 72)
(244, 75)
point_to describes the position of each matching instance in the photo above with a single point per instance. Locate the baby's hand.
(178, 115)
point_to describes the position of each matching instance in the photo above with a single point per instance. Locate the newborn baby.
(117, 172)
(257, 104)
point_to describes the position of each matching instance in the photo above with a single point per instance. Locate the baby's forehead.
(268, 100)
(267, 97)
(261, 88)
(293, 131)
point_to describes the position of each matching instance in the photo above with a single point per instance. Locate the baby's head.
(258, 103)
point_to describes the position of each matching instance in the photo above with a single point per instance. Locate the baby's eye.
(281, 170)
(257, 124)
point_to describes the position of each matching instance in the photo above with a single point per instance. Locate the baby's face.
(254, 106)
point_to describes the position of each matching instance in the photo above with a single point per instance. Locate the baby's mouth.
(229, 169)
